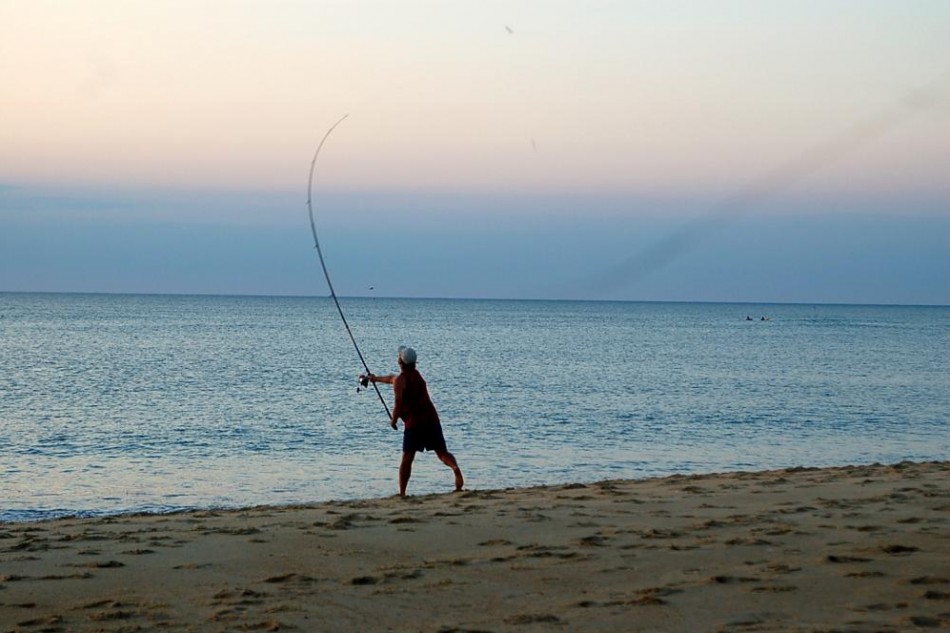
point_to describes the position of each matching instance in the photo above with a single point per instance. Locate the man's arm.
(397, 390)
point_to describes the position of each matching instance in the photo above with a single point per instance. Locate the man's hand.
(393, 424)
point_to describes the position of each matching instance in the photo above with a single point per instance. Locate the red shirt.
(413, 404)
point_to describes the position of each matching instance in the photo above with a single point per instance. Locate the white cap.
(407, 355)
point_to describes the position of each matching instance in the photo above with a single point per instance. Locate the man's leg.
(449, 460)
(405, 471)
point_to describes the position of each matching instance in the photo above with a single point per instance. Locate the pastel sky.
(704, 150)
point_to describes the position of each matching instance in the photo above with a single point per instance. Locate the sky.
(704, 150)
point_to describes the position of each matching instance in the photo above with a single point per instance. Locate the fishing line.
(323, 264)
(767, 186)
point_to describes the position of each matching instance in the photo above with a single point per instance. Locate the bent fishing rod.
(323, 265)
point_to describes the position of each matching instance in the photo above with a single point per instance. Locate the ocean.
(122, 403)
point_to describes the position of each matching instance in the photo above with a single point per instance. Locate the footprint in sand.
(243, 597)
(899, 549)
(192, 566)
(533, 618)
(51, 623)
(773, 589)
(838, 559)
(109, 609)
(594, 540)
(653, 596)
(405, 520)
(925, 621)
(280, 578)
(728, 580)
(101, 564)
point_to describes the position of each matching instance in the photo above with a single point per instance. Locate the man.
(423, 431)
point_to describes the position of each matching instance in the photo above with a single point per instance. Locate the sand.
(840, 549)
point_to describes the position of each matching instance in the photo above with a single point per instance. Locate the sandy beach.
(863, 548)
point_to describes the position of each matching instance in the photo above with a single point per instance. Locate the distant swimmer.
(423, 430)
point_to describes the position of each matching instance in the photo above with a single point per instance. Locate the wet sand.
(838, 549)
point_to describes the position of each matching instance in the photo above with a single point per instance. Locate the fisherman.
(423, 431)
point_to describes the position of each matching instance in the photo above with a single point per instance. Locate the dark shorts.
(424, 438)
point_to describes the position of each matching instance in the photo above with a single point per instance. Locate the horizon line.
(435, 298)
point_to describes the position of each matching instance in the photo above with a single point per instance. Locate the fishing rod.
(326, 273)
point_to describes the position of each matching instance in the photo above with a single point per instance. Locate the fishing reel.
(362, 382)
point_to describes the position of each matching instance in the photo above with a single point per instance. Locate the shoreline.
(857, 548)
(94, 515)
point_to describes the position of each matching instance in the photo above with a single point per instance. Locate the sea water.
(121, 403)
